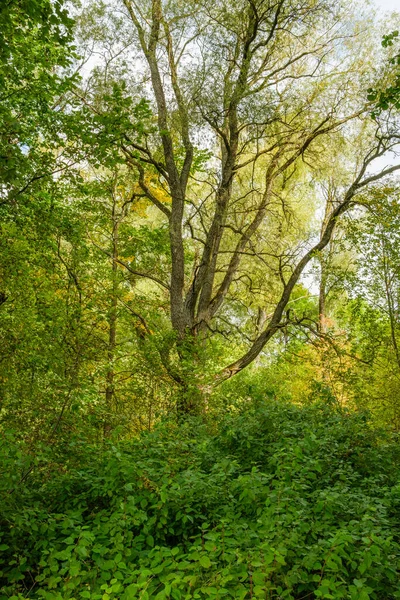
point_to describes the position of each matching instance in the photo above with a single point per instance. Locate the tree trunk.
(112, 330)
(322, 316)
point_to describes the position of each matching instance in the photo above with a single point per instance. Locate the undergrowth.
(271, 502)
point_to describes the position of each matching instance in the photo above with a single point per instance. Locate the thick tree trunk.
(190, 400)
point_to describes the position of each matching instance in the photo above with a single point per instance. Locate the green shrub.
(274, 502)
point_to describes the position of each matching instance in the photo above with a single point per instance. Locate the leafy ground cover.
(275, 501)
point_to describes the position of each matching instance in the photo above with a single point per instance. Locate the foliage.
(35, 48)
(274, 501)
(158, 213)
(389, 96)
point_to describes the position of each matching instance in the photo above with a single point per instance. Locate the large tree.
(249, 99)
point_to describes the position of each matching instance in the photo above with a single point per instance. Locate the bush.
(273, 502)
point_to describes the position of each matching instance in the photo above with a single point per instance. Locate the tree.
(373, 310)
(248, 100)
(35, 49)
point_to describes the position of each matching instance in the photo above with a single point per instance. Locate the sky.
(388, 4)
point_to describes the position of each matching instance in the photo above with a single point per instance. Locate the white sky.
(388, 5)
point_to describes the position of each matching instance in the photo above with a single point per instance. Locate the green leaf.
(205, 561)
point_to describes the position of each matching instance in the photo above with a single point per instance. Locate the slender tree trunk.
(393, 324)
(391, 309)
(322, 316)
(112, 329)
(324, 262)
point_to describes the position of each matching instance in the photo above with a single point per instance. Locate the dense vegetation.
(199, 300)
(269, 502)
